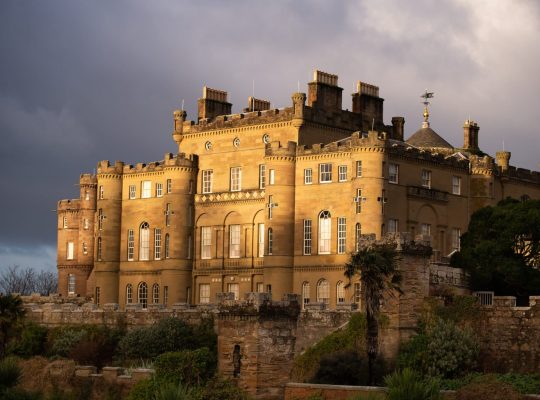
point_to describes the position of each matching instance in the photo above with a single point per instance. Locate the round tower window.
(266, 138)
(208, 146)
(236, 142)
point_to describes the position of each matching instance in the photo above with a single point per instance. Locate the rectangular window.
(271, 176)
(189, 244)
(157, 244)
(86, 223)
(131, 245)
(101, 192)
(159, 189)
(101, 217)
(325, 234)
(357, 293)
(169, 185)
(98, 295)
(358, 201)
(144, 247)
(358, 169)
(261, 240)
(71, 284)
(426, 229)
(307, 237)
(456, 185)
(98, 250)
(84, 248)
(270, 241)
(206, 242)
(204, 293)
(393, 225)
(340, 293)
(260, 287)
(87, 195)
(167, 245)
(325, 173)
(342, 172)
(165, 295)
(426, 178)
(393, 173)
(146, 189)
(262, 176)
(308, 176)
(234, 241)
(456, 235)
(234, 288)
(207, 181)
(342, 235)
(168, 213)
(236, 179)
(70, 250)
(305, 294)
(270, 207)
(132, 191)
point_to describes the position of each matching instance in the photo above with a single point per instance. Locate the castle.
(273, 200)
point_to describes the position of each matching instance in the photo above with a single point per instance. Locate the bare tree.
(26, 281)
(46, 283)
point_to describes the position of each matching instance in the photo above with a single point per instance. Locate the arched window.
(129, 294)
(155, 293)
(270, 241)
(340, 293)
(323, 291)
(325, 232)
(167, 245)
(144, 242)
(305, 294)
(143, 294)
(357, 235)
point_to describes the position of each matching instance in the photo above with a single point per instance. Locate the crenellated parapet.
(276, 149)
(169, 160)
(68, 205)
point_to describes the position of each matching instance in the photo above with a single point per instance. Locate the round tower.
(503, 160)
(179, 118)
(107, 231)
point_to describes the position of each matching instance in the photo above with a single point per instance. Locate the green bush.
(31, 341)
(10, 373)
(173, 391)
(63, 339)
(189, 367)
(409, 385)
(221, 389)
(169, 334)
(523, 383)
(441, 350)
(143, 390)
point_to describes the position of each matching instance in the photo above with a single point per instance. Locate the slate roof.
(427, 137)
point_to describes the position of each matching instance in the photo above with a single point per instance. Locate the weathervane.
(427, 95)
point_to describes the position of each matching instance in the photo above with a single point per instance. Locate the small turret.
(503, 160)
(179, 118)
(299, 102)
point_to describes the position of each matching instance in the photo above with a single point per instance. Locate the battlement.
(276, 149)
(325, 78)
(68, 205)
(405, 151)
(523, 174)
(169, 160)
(88, 180)
(367, 89)
(105, 167)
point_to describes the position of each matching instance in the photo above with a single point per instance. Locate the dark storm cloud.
(84, 81)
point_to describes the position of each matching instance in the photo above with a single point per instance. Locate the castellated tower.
(75, 249)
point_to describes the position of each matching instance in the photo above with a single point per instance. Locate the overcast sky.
(82, 81)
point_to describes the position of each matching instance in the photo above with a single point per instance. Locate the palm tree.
(11, 313)
(377, 266)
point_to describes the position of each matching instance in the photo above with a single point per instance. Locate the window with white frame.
(325, 232)
(71, 283)
(204, 293)
(165, 295)
(342, 173)
(167, 245)
(323, 291)
(236, 179)
(132, 191)
(234, 241)
(70, 250)
(357, 236)
(146, 189)
(393, 225)
(456, 235)
(271, 176)
(426, 229)
(426, 178)
(358, 201)
(159, 189)
(307, 237)
(260, 249)
(308, 176)
(101, 192)
(340, 292)
(169, 185)
(456, 185)
(157, 244)
(393, 173)
(86, 223)
(235, 289)
(325, 173)
(305, 294)
(358, 169)
(64, 222)
(342, 235)
(98, 249)
(129, 294)
(155, 293)
(260, 287)
(206, 242)
(207, 180)
(262, 176)
(270, 241)
(130, 245)
(357, 293)
(144, 242)
(142, 293)
(168, 213)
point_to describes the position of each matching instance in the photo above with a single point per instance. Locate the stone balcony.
(426, 193)
(230, 263)
(253, 194)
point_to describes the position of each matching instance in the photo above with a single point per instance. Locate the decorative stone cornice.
(245, 195)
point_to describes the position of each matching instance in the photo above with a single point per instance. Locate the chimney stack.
(213, 103)
(368, 104)
(470, 135)
(324, 92)
(398, 127)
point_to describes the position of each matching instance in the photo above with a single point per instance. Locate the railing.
(254, 194)
(485, 298)
(219, 263)
(426, 193)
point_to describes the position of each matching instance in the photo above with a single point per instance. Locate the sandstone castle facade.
(272, 200)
